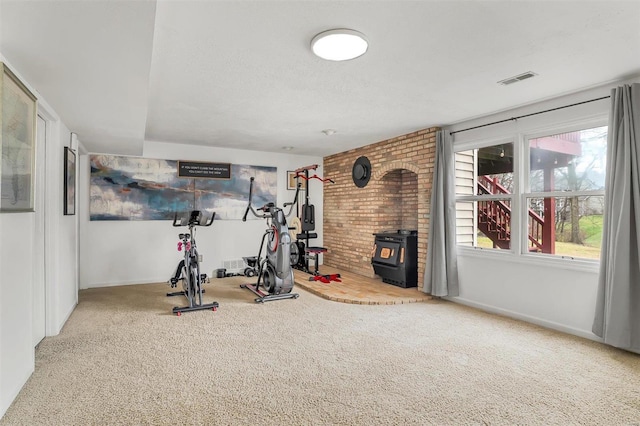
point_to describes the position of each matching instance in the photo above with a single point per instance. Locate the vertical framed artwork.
(69, 181)
(17, 143)
(291, 180)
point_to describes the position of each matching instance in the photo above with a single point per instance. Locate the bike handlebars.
(267, 206)
(195, 219)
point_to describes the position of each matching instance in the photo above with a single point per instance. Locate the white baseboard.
(587, 334)
(119, 283)
(8, 399)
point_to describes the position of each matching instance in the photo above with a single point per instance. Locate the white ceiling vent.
(517, 78)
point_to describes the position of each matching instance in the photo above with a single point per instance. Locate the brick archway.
(395, 165)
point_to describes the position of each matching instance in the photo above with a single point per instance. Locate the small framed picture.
(292, 182)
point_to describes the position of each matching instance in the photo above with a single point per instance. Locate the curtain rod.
(528, 115)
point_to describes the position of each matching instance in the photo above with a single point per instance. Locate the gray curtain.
(617, 318)
(441, 271)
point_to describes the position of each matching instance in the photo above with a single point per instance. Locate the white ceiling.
(241, 74)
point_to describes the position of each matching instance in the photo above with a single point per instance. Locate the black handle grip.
(210, 221)
(246, 212)
(295, 200)
(176, 222)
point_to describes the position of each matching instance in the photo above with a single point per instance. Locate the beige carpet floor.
(123, 359)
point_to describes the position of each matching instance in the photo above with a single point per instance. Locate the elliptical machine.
(275, 274)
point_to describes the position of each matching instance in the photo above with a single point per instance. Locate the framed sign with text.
(197, 169)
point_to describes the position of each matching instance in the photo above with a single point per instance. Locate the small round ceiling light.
(339, 45)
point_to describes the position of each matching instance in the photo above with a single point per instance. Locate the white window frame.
(525, 193)
(467, 146)
(520, 136)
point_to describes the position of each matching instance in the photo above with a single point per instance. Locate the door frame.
(40, 284)
(50, 207)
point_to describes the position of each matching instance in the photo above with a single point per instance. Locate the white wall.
(552, 292)
(17, 254)
(555, 296)
(16, 345)
(65, 237)
(133, 252)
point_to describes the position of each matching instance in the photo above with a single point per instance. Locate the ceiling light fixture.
(329, 132)
(339, 45)
(287, 148)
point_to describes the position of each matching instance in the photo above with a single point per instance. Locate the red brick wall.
(397, 197)
(409, 196)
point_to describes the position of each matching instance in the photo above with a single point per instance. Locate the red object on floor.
(326, 278)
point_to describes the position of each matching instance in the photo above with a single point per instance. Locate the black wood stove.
(395, 257)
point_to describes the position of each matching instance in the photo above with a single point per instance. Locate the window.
(565, 198)
(557, 207)
(484, 187)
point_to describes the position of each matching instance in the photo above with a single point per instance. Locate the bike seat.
(315, 250)
(306, 235)
(266, 207)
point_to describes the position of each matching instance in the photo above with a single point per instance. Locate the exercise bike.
(188, 270)
(275, 275)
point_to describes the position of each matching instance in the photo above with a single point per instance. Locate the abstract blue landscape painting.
(133, 188)
(130, 188)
